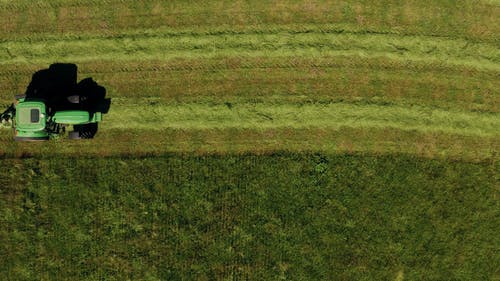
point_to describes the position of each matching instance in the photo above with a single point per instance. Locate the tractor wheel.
(86, 135)
(86, 131)
(74, 135)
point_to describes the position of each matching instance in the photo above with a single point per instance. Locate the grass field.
(278, 216)
(259, 140)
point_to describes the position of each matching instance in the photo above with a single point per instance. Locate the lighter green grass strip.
(494, 2)
(124, 115)
(312, 44)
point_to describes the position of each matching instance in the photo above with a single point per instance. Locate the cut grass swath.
(156, 46)
(475, 21)
(143, 114)
(367, 141)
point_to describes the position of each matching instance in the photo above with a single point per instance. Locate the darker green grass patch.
(258, 217)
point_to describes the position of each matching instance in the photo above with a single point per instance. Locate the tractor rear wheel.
(86, 131)
(74, 135)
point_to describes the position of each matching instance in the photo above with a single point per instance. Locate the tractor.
(33, 120)
(55, 102)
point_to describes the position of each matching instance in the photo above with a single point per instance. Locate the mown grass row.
(474, 20)
(146, 115)
(311, 44)
(281, 80)
(150, 143)
(266, 217)
(294, 127)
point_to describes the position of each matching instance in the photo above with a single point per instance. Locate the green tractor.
(32, 121)
(51, 105)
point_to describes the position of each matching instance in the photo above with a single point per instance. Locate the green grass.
(475, 21)
(188, 127)
(310, 42)
(146, 115)
(280, 80)
(145, 143)
(258, 140)
(293, 216)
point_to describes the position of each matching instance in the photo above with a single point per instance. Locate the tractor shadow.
(59, 88)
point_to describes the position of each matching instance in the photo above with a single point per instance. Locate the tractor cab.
(31, 121)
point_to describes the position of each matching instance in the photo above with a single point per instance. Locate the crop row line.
(151, 115)
(473, 23)
(374, 141)
(23, 5)
(463, 88)
(482, 56)
(221, 30)
(220, 64)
